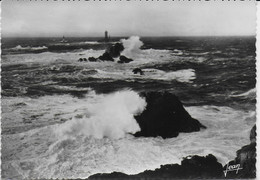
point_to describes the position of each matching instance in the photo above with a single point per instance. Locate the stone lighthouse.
(106, 36)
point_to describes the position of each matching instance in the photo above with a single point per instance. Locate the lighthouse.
(106, 36)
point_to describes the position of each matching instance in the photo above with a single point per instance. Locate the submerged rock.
(165, 116)
(124, 59)
(138, 70)
(82, 59)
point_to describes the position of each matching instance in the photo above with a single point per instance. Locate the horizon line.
(126, 36)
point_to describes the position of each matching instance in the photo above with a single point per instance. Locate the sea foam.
(132, 46)
(109, 116)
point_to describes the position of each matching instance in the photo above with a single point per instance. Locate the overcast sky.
(122, 18)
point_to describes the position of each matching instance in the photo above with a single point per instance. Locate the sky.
(125, 18)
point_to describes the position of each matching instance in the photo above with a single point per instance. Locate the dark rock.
(138, 70)
(190, 168)
(124, 59)
(109, 175)
(165, 116)
(106, 57)
(253, 134)
(115, 50)
(80, 60)
(92, 59)
(84, 59)
(246, 159)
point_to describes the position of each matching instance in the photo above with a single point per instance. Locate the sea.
(62, 118)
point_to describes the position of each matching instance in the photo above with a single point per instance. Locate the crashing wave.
(110, 116)
(19, 47)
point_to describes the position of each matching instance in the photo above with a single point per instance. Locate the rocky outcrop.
(124, 59)
(165, 116)
(112, 52)
(190, 168)
(106, 57)
(82, 59)
(92, 59)
(138, 70)
(115, 50)
(246, 160)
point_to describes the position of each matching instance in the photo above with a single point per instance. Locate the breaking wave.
(19, 47)
(109, 116)
(132, 46)
(184, 75)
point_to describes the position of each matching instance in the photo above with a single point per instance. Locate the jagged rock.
(82, 59)
(246, 159)
(138, 70)
(124, 59)
(92, 59)
(115, 50)
(106, 57)
(165, 116)
(190, 168)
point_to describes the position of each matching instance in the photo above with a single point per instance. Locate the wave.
(132, 46)
(91, 42)
(110, 116)
(19, 47)
(184, 75)
(251, 93)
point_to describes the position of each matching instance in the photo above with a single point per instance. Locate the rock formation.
(124, 59)
(246, 159)
(106, 57)
(138, 70)
(190, 168)
(115, 50)
(165, 116)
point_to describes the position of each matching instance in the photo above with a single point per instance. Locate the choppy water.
(55, 123)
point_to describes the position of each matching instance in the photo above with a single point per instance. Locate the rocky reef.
(190, 168)
(111, 52)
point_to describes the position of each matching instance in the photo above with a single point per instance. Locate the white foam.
(19, 47)
(184, 75)
(250, 93)
(110, 116)
(132, 46)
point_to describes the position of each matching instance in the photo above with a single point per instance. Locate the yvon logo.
(235, 167)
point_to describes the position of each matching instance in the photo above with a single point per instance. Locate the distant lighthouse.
(106, 36)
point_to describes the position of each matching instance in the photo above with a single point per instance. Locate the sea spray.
(132, 46)
(109, 116)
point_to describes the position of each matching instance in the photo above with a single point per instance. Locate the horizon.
(3, 37)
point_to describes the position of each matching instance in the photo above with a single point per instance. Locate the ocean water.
(67, 119)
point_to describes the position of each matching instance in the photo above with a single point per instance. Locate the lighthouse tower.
(106, 36)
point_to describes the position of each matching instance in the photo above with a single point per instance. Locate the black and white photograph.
(128, 89)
